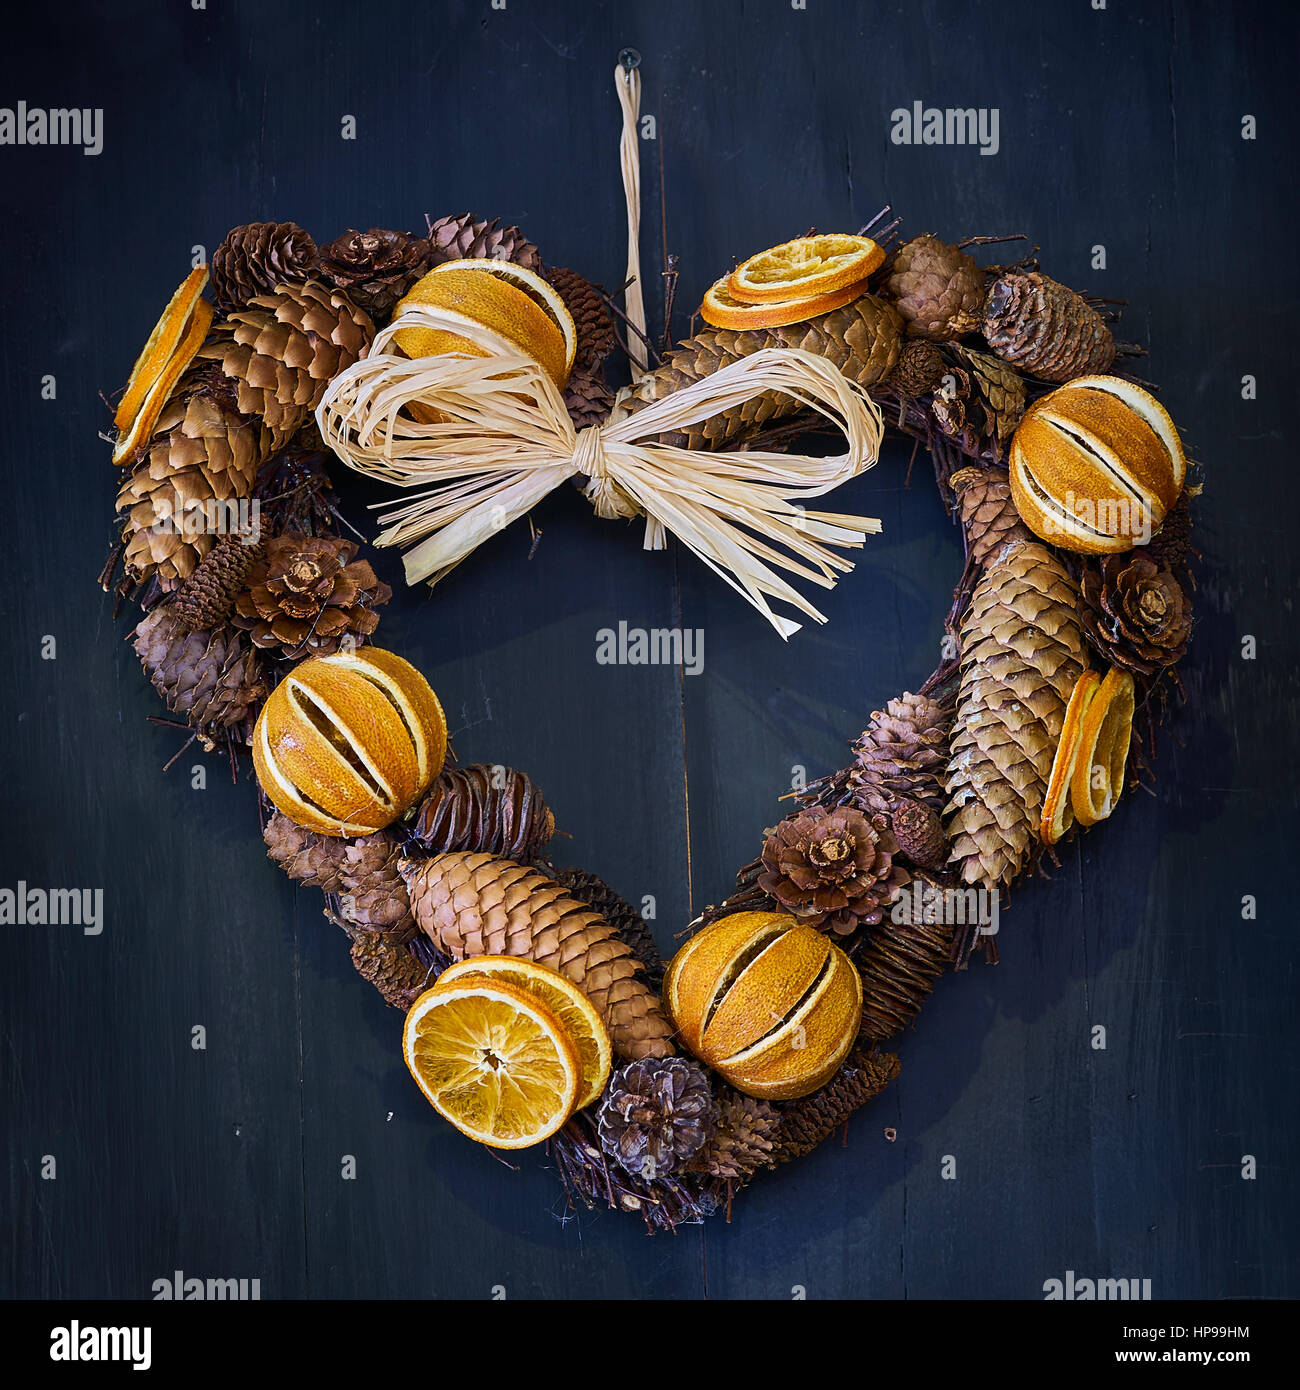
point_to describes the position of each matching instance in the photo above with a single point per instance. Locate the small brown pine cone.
(999, 395)
(316, 861)
(212, 678)
(939, 290)
(591, 316)
(656, 1115)
(375, 268)
(919, 368)
(587, 398)
(208, 595)
(833, 868)
(372, 892)
(988, 514)
(806, 1123)
(903, 752)
(486, 809)
(260, 257)
(621, 915)
(1045, 328)
(742, 1141)
(919, 833)
(391, 968)
(1135, 613)
(901, 960)
(307, 594)
(466, 237)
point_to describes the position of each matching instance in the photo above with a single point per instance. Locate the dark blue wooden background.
(1119, 127)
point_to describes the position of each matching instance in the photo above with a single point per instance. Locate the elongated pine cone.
(466, 237)
(316, 861)
(591, 316)
(1045, 328)
(212, 678)
(863, 340)
(475, 904)
(391, 968)
(1135, 613)
(833, 868)
(939, 290)
(258, 257)
(207, 596)
(988, 515)
(901, 960)
(307, 594)
(201, 464)
(375, 268)
(656, 1115)
(486, 809)
(742, 1141)
(806, 1123)
(1022, 651)
(372, 892)
(903, 752)
(620, 914)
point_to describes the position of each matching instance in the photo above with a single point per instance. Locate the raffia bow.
(506, 440)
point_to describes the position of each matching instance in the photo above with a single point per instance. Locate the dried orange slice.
(575, 1011)
(807, 266)
(162, 343)
(722, 309)
(141, 427)
(1057, 815)
(515, 305)
(493, 1060)
(1098, 777)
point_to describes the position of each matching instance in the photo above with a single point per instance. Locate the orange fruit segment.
(1057, 815)
(807, 266)
(492, 1060)
(1098, 777)
(161, 344)
(518, 308)
(576, 1013)
(722, 309)
(141, 427)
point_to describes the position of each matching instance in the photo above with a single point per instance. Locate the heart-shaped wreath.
(537, 1005)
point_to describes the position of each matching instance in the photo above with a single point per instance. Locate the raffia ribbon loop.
(503, 440)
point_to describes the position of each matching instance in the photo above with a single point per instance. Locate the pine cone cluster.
(1022, 651)
(832, 867)
(656, 1115)
(988, 515)
(620, 914)
(1135, 613)
(306, 595)
(258, 258)
(466, 237)
(1045, 328)
(375, 268)
(207, 596)
(474, 904)
(983, 403)
(806, 1123)
(485, 809)
(939, 290)
(212, 678)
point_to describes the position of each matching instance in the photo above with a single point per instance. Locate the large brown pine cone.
(806, 1123)
(1135, 613)
(1045, 328)
(939, 290)
(832, 868)
(307, 594)
(486, 809)
(372, 892)
(620, 914)
(316, 861)
(988, 515)
(591, 316)
(656, 1115)
(466, 237)
(258, 257)
(375, 268)
(212, 678)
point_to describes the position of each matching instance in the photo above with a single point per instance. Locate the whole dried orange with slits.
(517, 307)
(807, 266)
(349, 741)
(492, 1059)
(722, 309)
(768, 1002)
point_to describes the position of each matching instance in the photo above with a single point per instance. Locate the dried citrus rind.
(806, 266)
(1057, 813)
(160, 345)
(140, 430)
(1107, 728)
(721, 309)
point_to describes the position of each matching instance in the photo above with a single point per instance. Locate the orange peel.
(1104, 736)
(806, 266)
(1057, 814)
(721, 309)
(131, 439)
